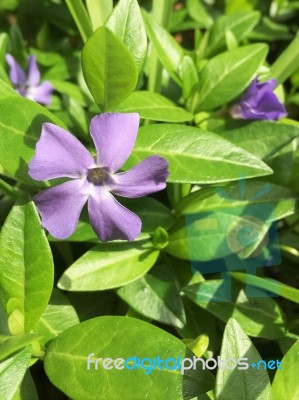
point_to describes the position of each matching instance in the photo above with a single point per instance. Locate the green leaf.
(127, 24)
(26, 260)
(271, 285)
(241, 384)
(11, 344)
(98, 11)
(27, 390)
(195, 155)
(67, 67)
(70, 89)
(108, 266)
(287, 63)
(108, 69)
(275, 136)
(259, 317)
(121, 337)
(6, 90)
(198, 12)
(155, 107)
(239, 23)
(3, 46)
(189, 75)
(81, 18)
(285, 384)
(58, 316)
(19, 132)
(168, 50)
(212, 236)
(12, 372)
(254, 193)
(156, 296)
(225, 76)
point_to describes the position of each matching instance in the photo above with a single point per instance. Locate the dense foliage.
(215, 268)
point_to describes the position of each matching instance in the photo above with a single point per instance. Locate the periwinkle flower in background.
(259, 102)
(94, 179)
(27, 84)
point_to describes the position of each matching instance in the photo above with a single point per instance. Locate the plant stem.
(81, 18)
(9, 190)
(161, 12)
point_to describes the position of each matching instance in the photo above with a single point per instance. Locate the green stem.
(9, 190)
(161, 12)
(81, 18)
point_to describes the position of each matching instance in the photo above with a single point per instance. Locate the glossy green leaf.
(12, 372)
(241, 384)
(168, 50)
(18, 136)
(156, 296)
(98, 11)
(58, 316)
(195, 155)
(127, 24)
(239, 23)
(155, 107)
(285, 384)
(271, 285)
(27, 389)
(287, 63)
(6, 90)
(225, 76)
(81, 18)
(271, 136)
(188, 75)
(11, 344)
(198, 12)
(121, 337)
(108, 69)
(108, 266)
(213, 235)
(253, 193)
(26, 260)
(258, 317)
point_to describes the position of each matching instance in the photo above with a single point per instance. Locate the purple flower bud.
(259, 102)
(94, 179)
(28, 84)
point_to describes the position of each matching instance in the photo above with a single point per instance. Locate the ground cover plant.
(149, 189)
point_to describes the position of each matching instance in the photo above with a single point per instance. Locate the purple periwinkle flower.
(94, 179)
(28, 84)
(259, 102)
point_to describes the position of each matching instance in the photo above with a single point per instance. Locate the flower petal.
(147, 177)
(114, 136)
(16, 73)
(271, 107)
(109, 219)
(41, 94)
(33, 72)
(60, 207)
(59, 154)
